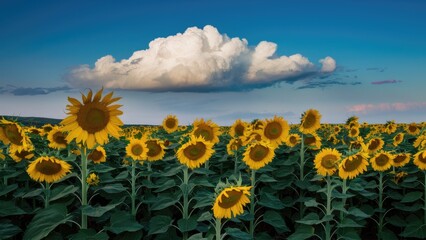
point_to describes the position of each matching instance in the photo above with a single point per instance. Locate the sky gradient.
(219, 60)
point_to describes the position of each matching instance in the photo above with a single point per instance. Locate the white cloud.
(198, 60)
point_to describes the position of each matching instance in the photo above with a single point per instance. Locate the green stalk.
(185, 194)
(148, 165)
(46, 195)
(328, 209)
(84, 186)
(344, 190)
(302, 159)
(133, 188)
(218, 228)
(252, 202)
(380, 227)
(424, 217)
(235, 163)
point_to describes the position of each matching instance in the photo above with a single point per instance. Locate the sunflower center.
(22, 154)
(398, 138)
(59, 138)
(48, 167)
(239, 130)
(382, 160)
(354, 131)
(95, 155)
(35, 131)
(421, 158)
(353, 163)
(293, 140)
(47, 128)
(195, 151)
(309, 121)
(328, 161)
(232, 199)
(153, 148)
(399, 159)
(12, 133)
(258, 153)
(170, 123)
(374, 144)
(204, 131)
(412, 128)
(273, 130)
(137, 149)
(93, 117)
(309, 140)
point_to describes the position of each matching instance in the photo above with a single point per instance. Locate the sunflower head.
(293, 139)
(382, 161)
(137, 149)
(310, 121)
(207, 130)
(275, 130)
(312, 140)
(374, 145)
(238, 128)
(97, 155)
(326, 161)
(230, 202)
(258, 154)
(12, 133)
(57, 138)
(420, 160)
(400, 159)
(420, 141)
(48, 169)
(155, 150)
(195, 152)
(91, 121)
(93, 179)
(18, 154)
(170, 123)
(412, 129)
(353, 132)
(2, 156)
(398, 139)
(234, 145)
(353, 165)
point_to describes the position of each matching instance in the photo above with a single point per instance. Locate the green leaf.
(348, 223)
(186, 225)
(311, 203)
(203, 171)
(266, 179)
(33, 193)
(387, 234)
(416, 231)
(45, 221)
(271, 201)
(159, 224)
(198, 236)
(237, 233)
(203, 181)
(411, 197)
(7, 189)
(310, 219)
(205, 216)
(162, 201)
(114, 188)
(348, 234)
(103, 168)
(275, 219)
(357, 212)
(98, 211)
(123, 222)
(166, 185)
(8, 230)
(8, 208)
(122, 176)
(302, 232)
(411, 208)
(284, 171)
(62, 191)
(89, 234)
(396, 220)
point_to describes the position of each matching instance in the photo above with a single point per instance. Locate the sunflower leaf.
(186, 225)
(91, 234)
(123, 222)
(271, 201)
(159, 224)
(114, 188)
(8, 230)
(266, 179)
(7, 189)
(274, 219)
(62, 191)
(302, 232)
(205, 216)
(237, 233)
(411, 197)
(9, 208)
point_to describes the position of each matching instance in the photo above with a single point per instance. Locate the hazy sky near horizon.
(219, 60)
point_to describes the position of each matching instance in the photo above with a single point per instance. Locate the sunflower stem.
(424, 217)
(148, 166)
(380, 227)
(328, 209)
(301, 176)
(344, 190)
(84, 186)
(235, 163)
(185, 193)
(46, 195)
(218, 228)
(133, 195)
(252, 202)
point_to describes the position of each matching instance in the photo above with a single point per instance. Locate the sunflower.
(374, 145)
(353, 132)
(310, 121)
(18, 155)
(258, 154)
(420, 141)
(336, 129)
(93, 120)
(382, 161)
(93, 179)
(33, 130)
(230, 202)
(233, 145)
(137, 149)
(170, 123)
(238, 128)
(208, 130)
(293, 139)
(45, 129)
(2, 156)
(48, 169)
(275, 130)
(326, 161)
(401, 159)
(12, 133)
(420, 160)
(398, 139)
(413, 129)
(195, 152)
(358, 143)
(390, 127)
(353, 165)
(333, 139)
(155, 150)
(97, 155)
(57, 138)
(313, 141)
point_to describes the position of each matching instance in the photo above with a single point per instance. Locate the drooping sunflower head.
(326, 161)
(48, 169)
(293, 139)
(398, 139)
(238, 128)
(400, 159)
(412, 129)
(207, 130)
(275, 130)
(230, 202)
(195, 152)
(310, 121)
(234, 145)
(352, 120)
(57, 138)
(312, 140)
(170, 123)
(18, 154)
(420, 160)
(374, 145)
(91, 121)
(137, 149)
(382, 161)
(155, 149)
(258, 154)
(12, 133)
(353, 165)
(97, 155)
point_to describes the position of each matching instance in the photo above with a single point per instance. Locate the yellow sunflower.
(275, 130)
(97, 155)
(382, 161)
(230, 202)
(137, 149)
(401, 159)
(195, 152)
(293, 139)
(233, 145)
(238, 128)
(398, 139)
(93, 179)
(412, 129)
(48, 169)
(155, 150)
(390, 127)
(374, 145)
(33, 130)
(420, 142)
(18, 155)
(2, 156)
(420, 160)
(353, 132)
(312, 140)
(170, 123)
(336, 129)
(258, 154)
(12, 133)
(57, 138)
(310, 121)
(326, 161)
(353, 165)
(208, 130)
(91, 121)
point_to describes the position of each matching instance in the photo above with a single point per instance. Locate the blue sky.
(218, 60)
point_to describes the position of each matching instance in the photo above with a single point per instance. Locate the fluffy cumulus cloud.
(199, 60)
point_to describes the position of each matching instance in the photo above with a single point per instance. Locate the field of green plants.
(91, 178)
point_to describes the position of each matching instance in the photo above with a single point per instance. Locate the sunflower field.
(90, 177)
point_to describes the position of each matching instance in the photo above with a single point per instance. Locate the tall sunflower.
(230, 202)
(155, 150)
(57, 138)
(195, 152)
(275, 130)
(382, 161)
(12, 133)
(137, 149)
(398, 139)
(91, 121)
(97, 155)
(48, 169)
(238, 128)
(293, 139)
(420, 160)
(18, 155)
(170, 123)
(353, 165)
(258, 154)
(310, 121)
(326, 161)
(374, 145)
(400, 159)
(206, 129)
